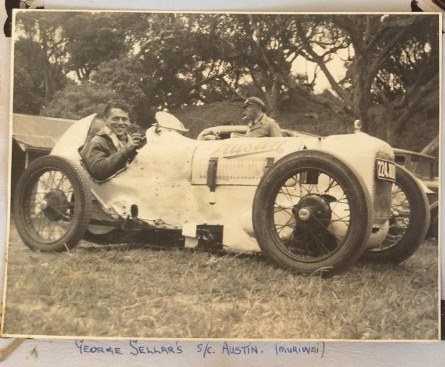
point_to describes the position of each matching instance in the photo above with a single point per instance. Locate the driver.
(260, 125)
(112, 147)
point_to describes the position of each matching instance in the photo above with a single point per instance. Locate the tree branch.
(414, 103)
(319, 60)
(373, 69)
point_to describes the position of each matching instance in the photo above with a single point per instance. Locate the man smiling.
(112, 147)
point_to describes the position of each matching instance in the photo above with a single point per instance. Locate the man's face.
(250, 112)
(118, 121)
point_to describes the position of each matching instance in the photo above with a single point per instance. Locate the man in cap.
(260, 125)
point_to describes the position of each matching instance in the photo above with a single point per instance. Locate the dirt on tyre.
(311, 213)
(409, 222)
(52, 205)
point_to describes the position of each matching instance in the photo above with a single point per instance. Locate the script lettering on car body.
(244, 148)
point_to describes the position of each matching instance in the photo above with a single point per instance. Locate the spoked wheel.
(52, 206)
(311, 213)
(409, 221)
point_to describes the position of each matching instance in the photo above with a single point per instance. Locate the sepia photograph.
(224, 175)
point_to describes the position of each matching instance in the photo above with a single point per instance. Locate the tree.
(45, 30)
(197, 58)
(77, 101)
(92, 39)
(375, 41)
(129, 81)
(64, 43)
(160, 60)
(28, 80)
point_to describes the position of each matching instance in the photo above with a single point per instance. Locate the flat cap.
(254, 101)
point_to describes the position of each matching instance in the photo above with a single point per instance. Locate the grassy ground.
(135, 291)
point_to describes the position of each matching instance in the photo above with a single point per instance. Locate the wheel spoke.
(341, 219)
(49, 180)
(50, 222)
(289, 195)
(284, 225)
(332, 184)
(324, 250)
(326, 229)
(36, 215)
(279, 208)
(61, 181)
(62, 214)
(43, 224)
(44, 181)
(38, 222)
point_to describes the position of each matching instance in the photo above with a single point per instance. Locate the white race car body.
(178, 182)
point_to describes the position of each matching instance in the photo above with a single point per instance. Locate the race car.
(308, 203)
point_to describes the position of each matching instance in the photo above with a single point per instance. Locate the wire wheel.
(311, 213)
(52, 206)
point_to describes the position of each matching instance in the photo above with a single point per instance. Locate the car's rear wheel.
(408, 225)
(433, 230)
(52, 206)
(311, 213)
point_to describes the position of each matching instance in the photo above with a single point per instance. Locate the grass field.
(135, 291)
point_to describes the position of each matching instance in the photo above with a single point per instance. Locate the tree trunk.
(361, 82)
(273, 97)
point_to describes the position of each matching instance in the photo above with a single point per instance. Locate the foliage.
(28, 79)
(45, 30)
(385, 57)
(77, 101)
(92, 39)
(173, 61)
(128, 81)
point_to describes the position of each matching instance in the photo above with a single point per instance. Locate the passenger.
(112, 147)
(260, 125)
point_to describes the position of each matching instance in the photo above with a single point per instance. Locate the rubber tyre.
(418, 225)
(82, 204)
(433, 230)
(360, 212)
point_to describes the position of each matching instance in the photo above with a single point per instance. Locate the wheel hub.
(311, 236)
(54, 205)
(304, 214)
(313, 209)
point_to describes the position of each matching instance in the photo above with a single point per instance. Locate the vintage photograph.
(224, 175)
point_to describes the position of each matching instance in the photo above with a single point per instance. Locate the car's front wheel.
(52, 205)
(311, 213)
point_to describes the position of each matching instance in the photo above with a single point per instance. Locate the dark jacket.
(101, 157)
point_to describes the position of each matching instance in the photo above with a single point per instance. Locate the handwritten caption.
(201, 349)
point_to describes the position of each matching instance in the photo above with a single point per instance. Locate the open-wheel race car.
(309, 203)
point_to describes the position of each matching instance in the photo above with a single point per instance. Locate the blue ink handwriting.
(89, 348)
(203, 349)
(137, 349)
(230, 349)
(300, 349)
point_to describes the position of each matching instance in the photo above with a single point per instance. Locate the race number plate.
(386, 170)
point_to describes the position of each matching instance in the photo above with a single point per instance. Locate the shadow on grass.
(90, 247)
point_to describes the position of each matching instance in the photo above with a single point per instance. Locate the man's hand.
(135, 141)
